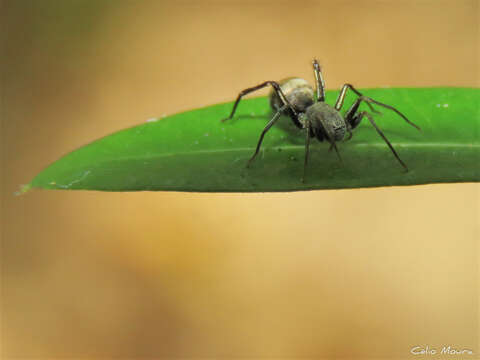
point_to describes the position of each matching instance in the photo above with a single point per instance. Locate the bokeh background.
(347, 273)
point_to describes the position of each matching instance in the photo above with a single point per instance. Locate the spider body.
(326, 122)
(308, 110)
(298, 92)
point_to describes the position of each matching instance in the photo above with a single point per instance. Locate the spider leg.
(319, 81)
(352, 117)
(370, 117)
(368, 101)
(276, 88)
(349, 130)
(336, 150)
(333, 145)
(267, 127)
(343, 93)
(307, 148)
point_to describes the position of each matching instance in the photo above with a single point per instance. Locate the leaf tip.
(23, 189)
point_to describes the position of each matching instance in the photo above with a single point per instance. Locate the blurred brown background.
(353, 273)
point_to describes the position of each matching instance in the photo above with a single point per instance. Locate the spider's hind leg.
(276, 88)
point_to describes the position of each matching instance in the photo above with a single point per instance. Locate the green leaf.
(194, 151)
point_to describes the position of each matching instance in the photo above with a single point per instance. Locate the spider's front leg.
(349, 130)
(276, 88)
(343, 93)
(369, 101)
(355, 119)
(319, 81)
(308, 128)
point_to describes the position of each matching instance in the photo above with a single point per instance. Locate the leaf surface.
(194, 151)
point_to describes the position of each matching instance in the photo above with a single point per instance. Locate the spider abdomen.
(326, 122)
(298, 92)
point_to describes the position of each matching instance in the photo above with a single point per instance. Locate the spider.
(295, 98)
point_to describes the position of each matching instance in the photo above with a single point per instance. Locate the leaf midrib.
(288, 147)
